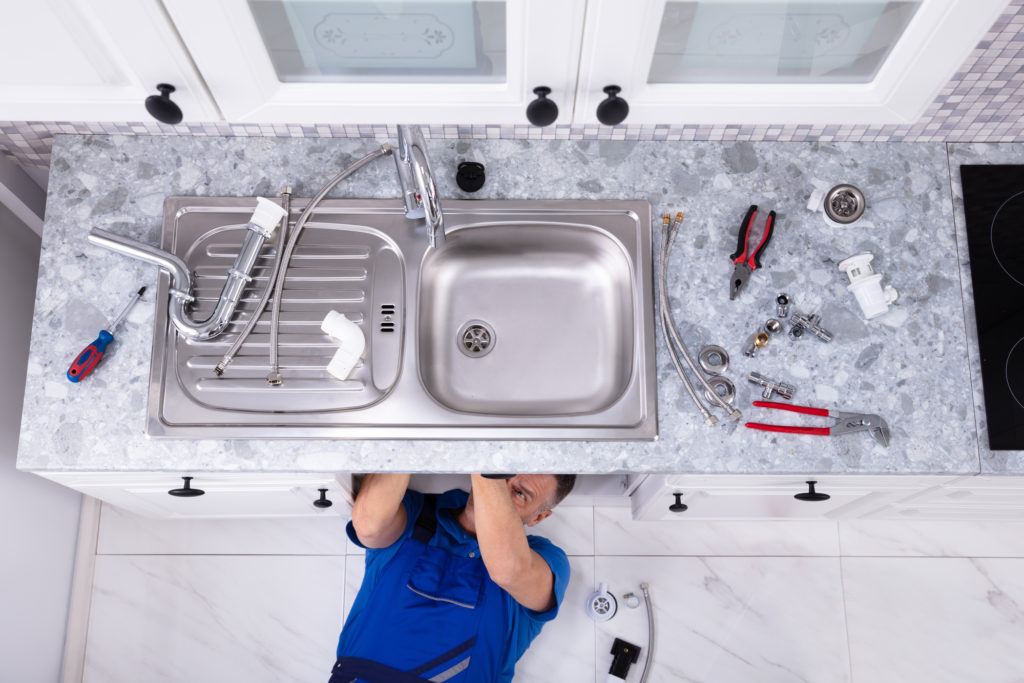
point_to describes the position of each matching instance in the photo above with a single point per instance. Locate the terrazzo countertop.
(911, 366)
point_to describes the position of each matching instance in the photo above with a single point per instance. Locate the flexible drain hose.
(650, 633)
(275, 377)
(734, 413)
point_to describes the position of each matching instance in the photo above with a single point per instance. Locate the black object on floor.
(624, 655)
(994, 210)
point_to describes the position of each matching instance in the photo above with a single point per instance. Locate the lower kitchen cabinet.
(666, 497)
(225, 495)
(963, 498)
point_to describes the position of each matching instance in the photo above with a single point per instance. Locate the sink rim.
(409, 412)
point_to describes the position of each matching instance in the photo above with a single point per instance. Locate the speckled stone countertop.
(911, 366)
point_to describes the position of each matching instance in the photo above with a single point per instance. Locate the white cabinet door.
(93, 60)
(353, 61)
(770, 496)
(980, 497)
(224, 495)
(776, 61)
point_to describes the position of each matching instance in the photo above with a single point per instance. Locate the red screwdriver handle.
(90, 357)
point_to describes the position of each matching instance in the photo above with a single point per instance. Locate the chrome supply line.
(673, 338)
(274, 377)
(649, 659)
(282, 236)
(182, 280)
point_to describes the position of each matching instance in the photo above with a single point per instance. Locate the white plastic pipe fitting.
(351, 344)
(866, 285)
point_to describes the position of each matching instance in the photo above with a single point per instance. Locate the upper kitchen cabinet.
(352, 61)
(774, 61)
(93, 60)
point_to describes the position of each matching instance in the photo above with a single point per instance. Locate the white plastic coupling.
(866, 285)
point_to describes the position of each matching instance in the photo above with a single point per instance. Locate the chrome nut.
(713, 359)
(782, 302)
(772, 326)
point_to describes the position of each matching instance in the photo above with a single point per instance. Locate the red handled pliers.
(746, 261)
(846, 423)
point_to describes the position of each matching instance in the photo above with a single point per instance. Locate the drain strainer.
(476, 339)
(844, 204)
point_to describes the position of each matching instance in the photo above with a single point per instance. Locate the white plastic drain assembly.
(866, 285)
(350, 340)
(602, 605)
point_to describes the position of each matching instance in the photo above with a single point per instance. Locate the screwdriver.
(92, 354)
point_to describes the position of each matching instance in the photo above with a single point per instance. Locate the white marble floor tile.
(617, 534)
(199, 619)
(929, 538)
(941, 620)
(570, 527)
(562, 653)
(731, 619)
(123, 533)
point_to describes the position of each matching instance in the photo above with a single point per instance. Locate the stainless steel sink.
(533, 321)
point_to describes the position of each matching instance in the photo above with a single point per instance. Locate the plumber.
(454, 589)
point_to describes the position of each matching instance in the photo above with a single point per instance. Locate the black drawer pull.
(679, 505)
(811, 495)
(187, 491)
(322, 501)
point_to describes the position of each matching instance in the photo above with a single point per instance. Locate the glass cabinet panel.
(716, 41)
(344, 41)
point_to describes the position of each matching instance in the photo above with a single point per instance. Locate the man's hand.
(378, 515)
(506, 553)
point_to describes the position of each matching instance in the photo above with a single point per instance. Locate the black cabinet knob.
(161, 108)
(322, 501)
(679, 505)
(612, 110)
(542, 111)
(812, 495)
(187, 491)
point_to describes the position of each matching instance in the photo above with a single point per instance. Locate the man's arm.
(506, 553)
(378, 516)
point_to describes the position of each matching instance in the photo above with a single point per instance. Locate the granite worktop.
(912, 366)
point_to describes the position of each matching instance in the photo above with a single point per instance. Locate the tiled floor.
(764, 602)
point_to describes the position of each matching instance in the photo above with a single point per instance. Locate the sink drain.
(476, 339)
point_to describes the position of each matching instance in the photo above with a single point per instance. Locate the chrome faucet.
(418, 189)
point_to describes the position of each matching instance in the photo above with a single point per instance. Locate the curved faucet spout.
(419, 192)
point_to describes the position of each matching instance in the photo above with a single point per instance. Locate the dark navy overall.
(435, 614)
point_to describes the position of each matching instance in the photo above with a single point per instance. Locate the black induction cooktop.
(994, 208)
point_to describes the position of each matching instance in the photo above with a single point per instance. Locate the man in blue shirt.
(454, 589)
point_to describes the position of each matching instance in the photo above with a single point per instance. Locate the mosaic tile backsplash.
(983, 102)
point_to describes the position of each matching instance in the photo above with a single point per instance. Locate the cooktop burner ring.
(992, 243)
(1006, 371)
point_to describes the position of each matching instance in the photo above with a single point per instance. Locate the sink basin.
(526, 319)
(534, 320)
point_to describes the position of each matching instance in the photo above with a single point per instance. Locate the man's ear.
(539, 517)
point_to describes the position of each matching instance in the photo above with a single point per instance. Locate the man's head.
(536, 495)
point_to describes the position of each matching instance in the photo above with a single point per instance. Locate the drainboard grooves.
(302, 252)
(295, 386)
(332, 268)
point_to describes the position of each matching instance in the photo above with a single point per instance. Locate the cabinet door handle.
(679, 505)
(187, 491)
(612, 110)
(322, 501)
(811, 495)
(161, 108)
(542, 111)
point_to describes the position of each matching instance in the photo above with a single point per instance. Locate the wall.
(38, 519)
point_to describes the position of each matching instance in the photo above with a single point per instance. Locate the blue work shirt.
(511, 626)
